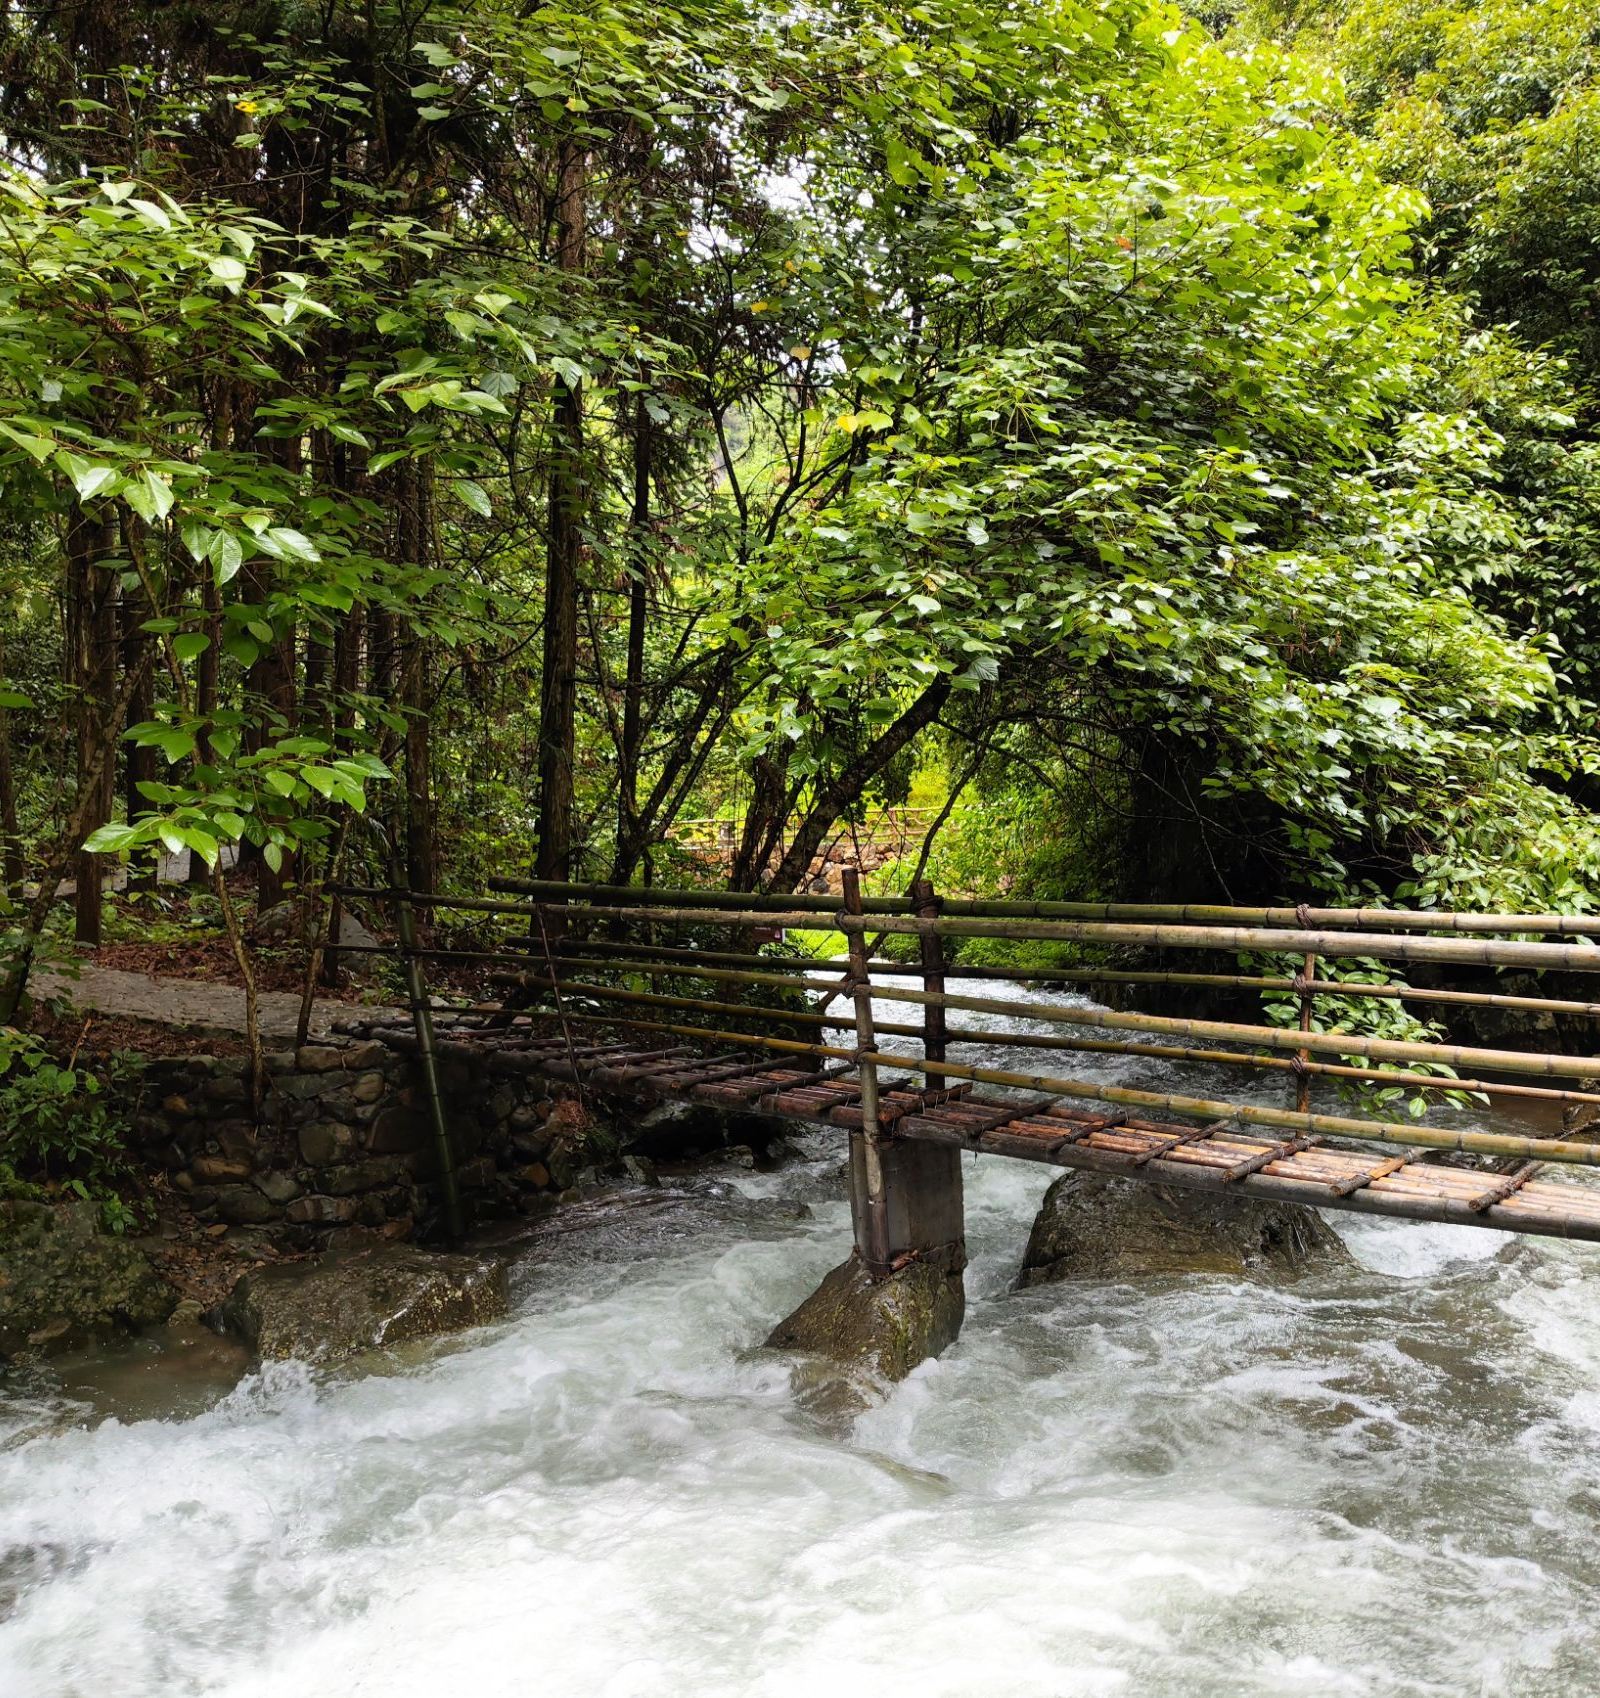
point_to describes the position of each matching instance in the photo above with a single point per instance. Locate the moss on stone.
(1090, 1227)
(886, 1325)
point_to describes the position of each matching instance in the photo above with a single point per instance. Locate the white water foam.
(1376, 1482)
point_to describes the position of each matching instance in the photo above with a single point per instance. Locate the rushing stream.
(1381, 1479)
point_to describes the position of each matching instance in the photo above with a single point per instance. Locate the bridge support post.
(900, 1297)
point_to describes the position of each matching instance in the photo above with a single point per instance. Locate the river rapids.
(1379, 1480)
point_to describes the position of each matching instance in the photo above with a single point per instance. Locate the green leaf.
(227, 555)
(228, 270)
(161, 496)
(190, 645)
(294, 543)
(39, 447)
(87, 478)
(111, 839)
(197, 538)
(473, 495)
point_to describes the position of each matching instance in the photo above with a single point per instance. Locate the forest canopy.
(1159, 447)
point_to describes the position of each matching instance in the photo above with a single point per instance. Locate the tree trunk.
(558, 686)
(91, 659)
(206, 698)
(139, 764)
(18, 964)
(11, 865)
(638, 616)
(846, 787)
(763, 823)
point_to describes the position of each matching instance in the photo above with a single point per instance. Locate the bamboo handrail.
(1041, 975)
(1266, 1037)
(1302, 917)
(1482, 952)
(1052, 1040)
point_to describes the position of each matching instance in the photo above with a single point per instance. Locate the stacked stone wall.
(345, 1139)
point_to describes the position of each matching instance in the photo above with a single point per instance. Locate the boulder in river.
(63, 1281)
(887, 1325)
(361, 1299)
(1092, 1227)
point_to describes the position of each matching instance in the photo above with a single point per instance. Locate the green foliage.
(1054, 378)
(61, 1129)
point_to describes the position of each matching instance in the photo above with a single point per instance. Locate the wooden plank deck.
(1549, 1201)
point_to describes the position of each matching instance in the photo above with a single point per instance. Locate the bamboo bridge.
(649, 994)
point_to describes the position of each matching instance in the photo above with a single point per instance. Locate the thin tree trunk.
(139, 764)
(11, 864)
(638, 617)
(847, 785)
(558, 686)
(92, 668)
(19, 964)
(206, 698)
(414, 534)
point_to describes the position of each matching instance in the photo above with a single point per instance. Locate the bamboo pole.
(422, 1018)
(1479, 952)
(1052, 1040)
(1044, 975)
(870, 1233)
(1265, 1037)
(1302, 1082)
(1392, 919)
(934, 1035)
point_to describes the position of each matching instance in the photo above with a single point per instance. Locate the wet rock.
(320, 1211)
(368, 1088)
(218, 1170)
(359, 1300)
(325, 1142)
(398, 1129)
(63, 1281)
(1090, 1227)
(369, 1175)
(244, 1205)
(886, 1326)
(277, 1188)
(1580, 1122)
(320, 1058)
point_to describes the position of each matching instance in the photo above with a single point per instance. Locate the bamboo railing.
(634, 957)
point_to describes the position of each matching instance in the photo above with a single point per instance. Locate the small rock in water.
(1089, 1227)
(365, 1299)
(887, 1325)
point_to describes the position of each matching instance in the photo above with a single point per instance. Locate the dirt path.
(199, 1005)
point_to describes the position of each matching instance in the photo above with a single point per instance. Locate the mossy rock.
(885, 1326)
(64, 1282)
(1091, 1227)
(353, 1300)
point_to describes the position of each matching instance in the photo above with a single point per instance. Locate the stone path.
(199, 1005)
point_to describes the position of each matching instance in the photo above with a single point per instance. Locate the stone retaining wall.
(346, 1140)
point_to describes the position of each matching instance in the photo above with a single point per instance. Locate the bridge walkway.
(1220, 1156)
